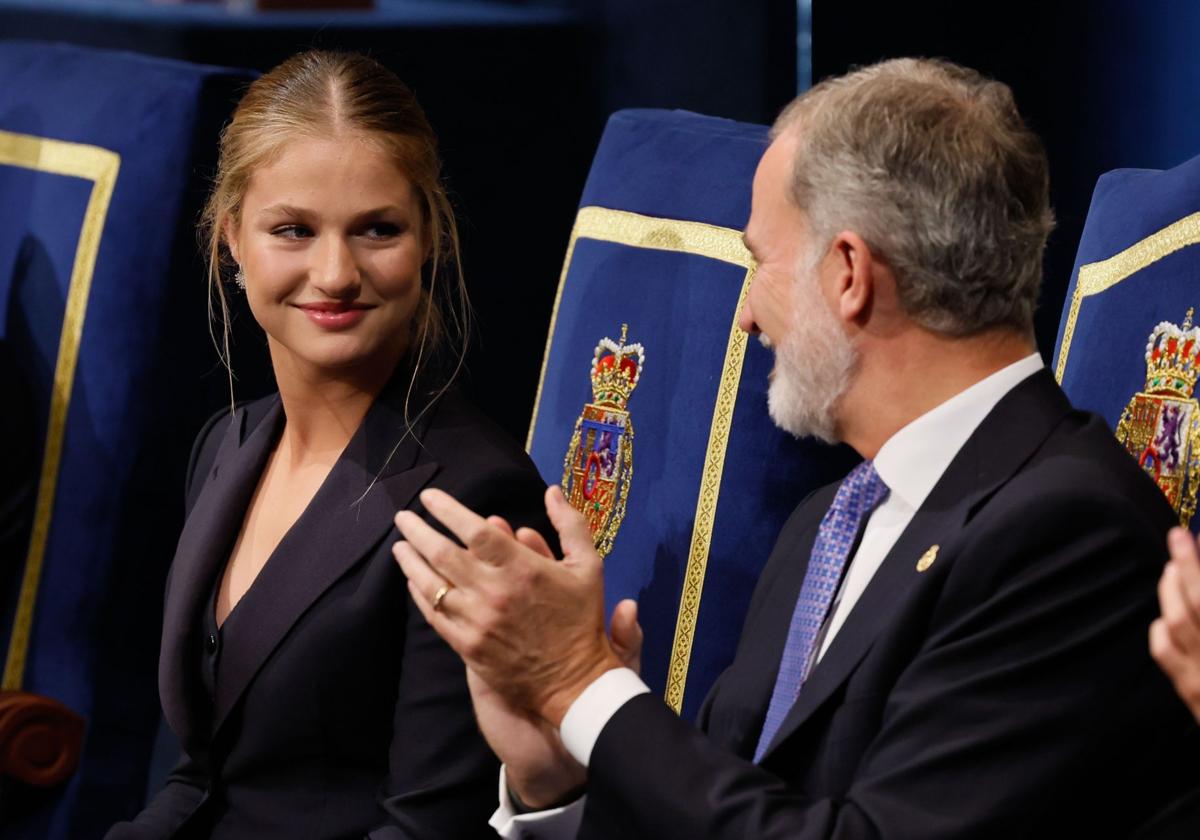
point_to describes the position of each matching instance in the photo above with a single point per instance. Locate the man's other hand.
(1175, 637)
(531, 628)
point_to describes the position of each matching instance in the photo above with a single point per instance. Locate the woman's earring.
(239, 279)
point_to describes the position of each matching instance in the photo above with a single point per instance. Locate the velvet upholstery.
(670, 168)
(98, 187)
(1135, 268)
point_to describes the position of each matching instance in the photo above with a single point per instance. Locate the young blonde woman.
(311, 698)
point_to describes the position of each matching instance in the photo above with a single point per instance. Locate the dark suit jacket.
(1007, 691)
(338, 712)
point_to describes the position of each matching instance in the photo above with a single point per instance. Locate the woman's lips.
(334, 316)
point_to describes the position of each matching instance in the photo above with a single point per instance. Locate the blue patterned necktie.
(860, 492)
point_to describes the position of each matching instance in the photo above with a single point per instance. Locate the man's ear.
(229, 230)
(852, 265)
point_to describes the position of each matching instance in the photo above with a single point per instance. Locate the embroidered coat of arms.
(1160, 426)
(598, 466)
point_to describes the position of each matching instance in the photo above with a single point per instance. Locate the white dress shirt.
(910, 463)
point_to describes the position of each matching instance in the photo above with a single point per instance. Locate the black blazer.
(337, 712)
(1007, 691)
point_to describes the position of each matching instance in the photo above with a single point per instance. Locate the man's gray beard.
(814, 363)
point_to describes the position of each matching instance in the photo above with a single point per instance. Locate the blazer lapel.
(379, 472)
(204, 546)
(1004, 441)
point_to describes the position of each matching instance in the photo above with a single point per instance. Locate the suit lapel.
(203, 548)
(1004, 441)
(349, 515)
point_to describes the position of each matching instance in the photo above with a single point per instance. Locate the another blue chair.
(1129, 342)
(652, 406)
(1129, 349)
(103, 320)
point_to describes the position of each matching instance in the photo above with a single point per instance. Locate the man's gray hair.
(933, 166)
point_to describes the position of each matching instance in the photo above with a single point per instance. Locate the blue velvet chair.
(103, 324)
(1129, 345)
(652, 407)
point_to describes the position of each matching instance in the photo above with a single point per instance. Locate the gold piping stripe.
(100, 166)
(638, 231)
(1097, 277)
(718, 243)
(706, 507)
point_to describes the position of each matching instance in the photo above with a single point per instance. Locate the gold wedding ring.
(440, 594)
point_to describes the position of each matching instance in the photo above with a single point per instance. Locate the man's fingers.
(532, 539)
(626, 634)
(1186, 560)
(501, 525)
(1181, 668)
(461, 521)
(1169, 658)
(426, 580)
(485, 543)
(442, 625)
(573, 532)
(1176, 614)
(440, 552)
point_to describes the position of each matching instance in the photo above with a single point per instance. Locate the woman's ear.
(229, 230)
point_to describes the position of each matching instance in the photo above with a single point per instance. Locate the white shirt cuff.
(593, 709)
(552, 824)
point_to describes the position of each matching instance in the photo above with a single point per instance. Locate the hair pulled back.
(319, 94)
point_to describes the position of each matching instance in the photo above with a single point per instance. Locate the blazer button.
(210, 644)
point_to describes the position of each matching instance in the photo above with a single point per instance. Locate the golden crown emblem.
(615, 373)
(1172, 354)
(1160, 426)
(598, 466)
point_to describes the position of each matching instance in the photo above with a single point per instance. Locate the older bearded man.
(950, 642)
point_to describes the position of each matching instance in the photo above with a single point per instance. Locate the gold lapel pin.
(927, 558)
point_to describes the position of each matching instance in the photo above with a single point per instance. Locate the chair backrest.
(1128, 345)
(104, 314)
(652, 405)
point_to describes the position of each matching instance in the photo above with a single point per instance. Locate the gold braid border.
(718, 243)
(1097, 277)
(100, 166)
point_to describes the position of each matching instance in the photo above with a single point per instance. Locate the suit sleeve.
(170, 807)
(1034, 666)
(442, 780)
(187, 782)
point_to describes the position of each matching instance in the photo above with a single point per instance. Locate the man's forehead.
(769, 189)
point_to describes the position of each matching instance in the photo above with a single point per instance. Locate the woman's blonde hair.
(318, 94)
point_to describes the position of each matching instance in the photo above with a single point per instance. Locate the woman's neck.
(323, 410)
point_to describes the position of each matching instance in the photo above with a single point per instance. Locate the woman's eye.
(292, 232)
(382, 230)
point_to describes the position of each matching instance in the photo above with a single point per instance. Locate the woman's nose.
(336, 273)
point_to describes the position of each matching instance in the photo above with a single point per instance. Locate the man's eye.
(292, 232)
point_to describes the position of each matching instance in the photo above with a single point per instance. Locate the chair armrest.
(40, 739)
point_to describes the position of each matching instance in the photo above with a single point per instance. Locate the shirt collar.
(912, 460)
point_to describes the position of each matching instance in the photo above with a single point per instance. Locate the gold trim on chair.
(718, 243)
(1097, 277)
(100, 166)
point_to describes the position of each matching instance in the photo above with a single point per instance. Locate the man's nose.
(746, 314)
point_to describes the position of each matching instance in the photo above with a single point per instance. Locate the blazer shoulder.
(483, 467)
(462, 439)
(1079, 501)
(1081, 461)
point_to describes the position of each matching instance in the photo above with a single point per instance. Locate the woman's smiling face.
(330, 239)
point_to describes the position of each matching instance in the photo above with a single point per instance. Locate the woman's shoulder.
(462, 438)
(483, 466)
(460, 430)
